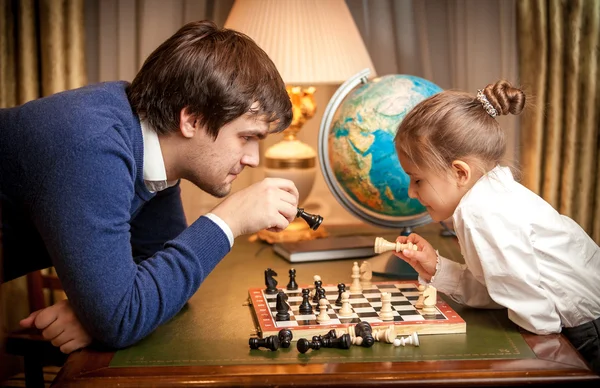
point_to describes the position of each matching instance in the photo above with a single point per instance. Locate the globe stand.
(391, 266)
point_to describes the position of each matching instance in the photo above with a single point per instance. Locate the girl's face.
(440, 194)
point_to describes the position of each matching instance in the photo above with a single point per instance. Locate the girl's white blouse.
(521, 254)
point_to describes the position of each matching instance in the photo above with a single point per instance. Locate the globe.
(357, 153)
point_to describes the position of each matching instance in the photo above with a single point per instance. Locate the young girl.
(519, 252)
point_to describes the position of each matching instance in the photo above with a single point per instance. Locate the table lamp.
(312, 42)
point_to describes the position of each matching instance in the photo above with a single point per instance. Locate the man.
(89, 180)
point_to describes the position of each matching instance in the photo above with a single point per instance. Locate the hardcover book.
(328, 248)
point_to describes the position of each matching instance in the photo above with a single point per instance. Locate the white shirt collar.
(155, 174)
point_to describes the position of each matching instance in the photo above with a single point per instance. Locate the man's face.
(440, 194)
(213, 164)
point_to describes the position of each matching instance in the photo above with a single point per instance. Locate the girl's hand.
(423, 260)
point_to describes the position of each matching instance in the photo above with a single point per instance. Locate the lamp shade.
(310, 41)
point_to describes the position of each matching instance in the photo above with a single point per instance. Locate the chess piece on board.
(292, 285)
(282, 307)
(355, 286)
(270, 281)
(429, 301)
(341, 289)
(305, 307)
(346, 310)
(386, 312)
(323, 315)
(366, 274)
(382, 245)
(419, 302)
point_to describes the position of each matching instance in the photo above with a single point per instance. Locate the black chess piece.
(305, 308)
(330, 335)
(292, 285)
(303, 345)
(270, 281)
(342, 342)
(285, 338)
(318, 286)
(282, 307)
(363, 329)
(271, 342)
(313, 220)
(341, 289)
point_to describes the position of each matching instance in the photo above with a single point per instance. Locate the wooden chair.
(29, 343)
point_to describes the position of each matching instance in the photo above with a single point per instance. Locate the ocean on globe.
(361, 152)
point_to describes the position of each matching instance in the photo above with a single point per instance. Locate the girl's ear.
(187, 123)
(462, 172)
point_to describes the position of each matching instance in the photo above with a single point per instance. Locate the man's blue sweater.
(73, 196)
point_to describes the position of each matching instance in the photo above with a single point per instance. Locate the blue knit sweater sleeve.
(82, 212)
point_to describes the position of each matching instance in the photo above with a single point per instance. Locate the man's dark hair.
(217, 74)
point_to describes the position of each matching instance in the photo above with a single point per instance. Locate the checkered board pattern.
(365, 306)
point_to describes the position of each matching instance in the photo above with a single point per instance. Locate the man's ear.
(462, 172)
(188, 123)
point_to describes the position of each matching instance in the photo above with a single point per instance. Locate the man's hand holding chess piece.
(413, 249)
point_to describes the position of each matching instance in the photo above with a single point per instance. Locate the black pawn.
(292, 285)
(270, 281)
(343, 342)
(363, 329)
(285, 338)
(341, 289)
(303, 345)
(316, 297)
(282, 307)
(305, 307)
(271, 342)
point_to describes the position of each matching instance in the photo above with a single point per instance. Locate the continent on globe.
(361, 148)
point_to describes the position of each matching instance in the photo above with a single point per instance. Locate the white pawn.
(346, 310)
(386, 312)
(355, 287)
(323, 316)
(412, 339)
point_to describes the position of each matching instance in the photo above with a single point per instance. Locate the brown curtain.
(558, 44)
(41, 48)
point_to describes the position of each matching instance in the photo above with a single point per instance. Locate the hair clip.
(486, 104)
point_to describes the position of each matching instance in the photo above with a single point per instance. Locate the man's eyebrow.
(256, 132)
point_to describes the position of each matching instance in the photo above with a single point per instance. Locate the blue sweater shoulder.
(71, 166)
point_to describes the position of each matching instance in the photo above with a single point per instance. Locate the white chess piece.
(366, 274)
(429, 301)
(323, 316)
(355, 287)
(387, 335)
(382, 245)
(346, 310)
(412, 339)
(386, 312)
(419, 302)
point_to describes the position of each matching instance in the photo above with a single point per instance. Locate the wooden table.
(552, 359)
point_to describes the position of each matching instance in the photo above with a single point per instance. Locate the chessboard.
(365, 305)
